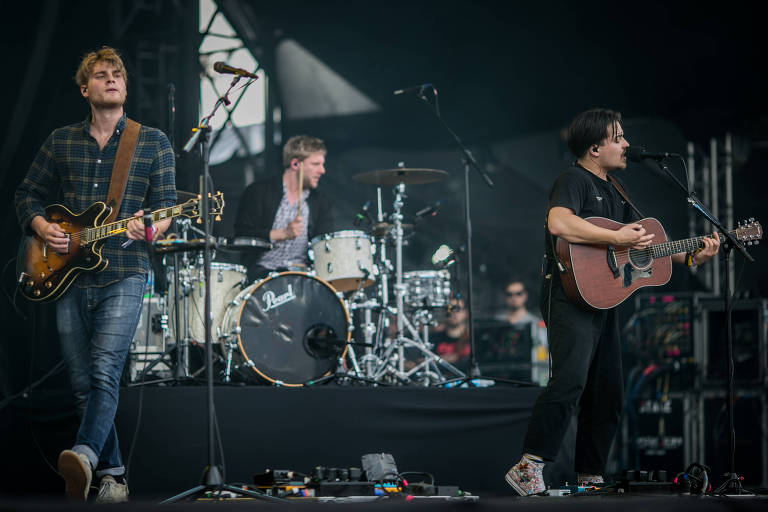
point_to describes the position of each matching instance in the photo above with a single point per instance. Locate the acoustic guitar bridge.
(610, 256)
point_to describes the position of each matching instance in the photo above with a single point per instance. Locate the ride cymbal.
(401, 175)
(183, 195)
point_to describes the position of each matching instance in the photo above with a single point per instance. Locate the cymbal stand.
(393, 360)
(385, 266)
(397, 219)
(183, 287)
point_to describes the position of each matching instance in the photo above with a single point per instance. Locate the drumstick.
(301, 186)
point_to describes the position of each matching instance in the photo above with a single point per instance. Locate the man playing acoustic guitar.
(584, 342)
(98, 314)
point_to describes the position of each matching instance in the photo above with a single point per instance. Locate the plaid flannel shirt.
(71, 169)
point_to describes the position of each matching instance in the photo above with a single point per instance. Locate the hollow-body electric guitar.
(44, 275)
(602, 276)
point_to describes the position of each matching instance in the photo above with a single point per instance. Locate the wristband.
(689, 257)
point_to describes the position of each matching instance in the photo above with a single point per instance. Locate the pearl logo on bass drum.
(271, 301)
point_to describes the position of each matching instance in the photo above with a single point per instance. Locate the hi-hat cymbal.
(396, 176)
(382, 228)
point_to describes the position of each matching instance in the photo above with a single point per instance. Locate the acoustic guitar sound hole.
(640, 258)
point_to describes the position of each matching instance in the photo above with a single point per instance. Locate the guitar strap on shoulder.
(122, 167)
(620, 189)
(546, 269)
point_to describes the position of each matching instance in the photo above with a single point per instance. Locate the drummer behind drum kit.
(296, 328)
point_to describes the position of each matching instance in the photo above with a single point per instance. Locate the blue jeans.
(96, 326)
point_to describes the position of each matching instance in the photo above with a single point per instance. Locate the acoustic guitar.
(602, 276)
(44, 275)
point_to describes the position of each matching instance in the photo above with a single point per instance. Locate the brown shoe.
(75, 469)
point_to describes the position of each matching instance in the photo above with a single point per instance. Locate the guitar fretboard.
(687, 245)
(114, 228)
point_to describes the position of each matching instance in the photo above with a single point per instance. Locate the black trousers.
(586, 375)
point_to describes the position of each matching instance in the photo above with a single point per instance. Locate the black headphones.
(694, 480)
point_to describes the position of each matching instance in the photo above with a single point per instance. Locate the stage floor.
(463, 437)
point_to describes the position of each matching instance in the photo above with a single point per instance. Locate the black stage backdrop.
(464, 437)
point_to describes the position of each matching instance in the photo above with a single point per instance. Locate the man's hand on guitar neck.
(135, 228)
(51, 233)
(711, 246)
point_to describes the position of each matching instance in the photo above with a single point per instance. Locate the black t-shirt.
(587, 196)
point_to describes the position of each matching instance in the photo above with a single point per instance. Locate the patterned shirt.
(71, 169)
(288, 252)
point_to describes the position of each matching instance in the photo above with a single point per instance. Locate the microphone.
(363, 214)
(226, 69)
(639, 153)
(416, 88)
(149, 229)
(429, 210)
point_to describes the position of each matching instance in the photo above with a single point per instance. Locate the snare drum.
(227, 280)
(344, 259)
(290, 328)
(427, 288)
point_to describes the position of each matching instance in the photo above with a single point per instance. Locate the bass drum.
(290, 328)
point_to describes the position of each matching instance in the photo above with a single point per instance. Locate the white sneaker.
(75, 469)
(589, 480)
(111, 492)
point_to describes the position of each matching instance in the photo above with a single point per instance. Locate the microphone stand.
(732, 484)
(469, 162)
(212, 480)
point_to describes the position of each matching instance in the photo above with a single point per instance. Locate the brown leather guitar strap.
(122, 167)
(620, 189)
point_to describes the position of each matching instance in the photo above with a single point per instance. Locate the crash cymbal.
(180, 245)
(401, 175)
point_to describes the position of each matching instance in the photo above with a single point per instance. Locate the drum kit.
(355, 316)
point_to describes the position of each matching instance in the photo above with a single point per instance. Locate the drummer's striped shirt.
(288, 253)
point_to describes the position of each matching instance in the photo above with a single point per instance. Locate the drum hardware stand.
(212, 480)
(469, 162)
(401, 341)
(181, 345)
(227, 374)
(369, 330)
(181, 268)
